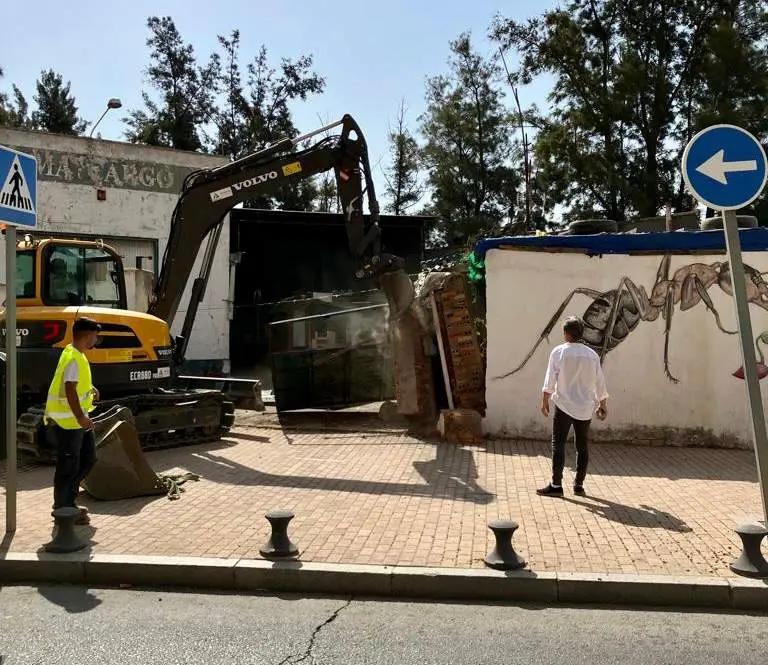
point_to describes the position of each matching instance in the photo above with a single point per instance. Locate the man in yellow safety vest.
(70, 400)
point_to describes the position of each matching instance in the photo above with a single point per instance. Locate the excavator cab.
(63, 273)
(59, 280)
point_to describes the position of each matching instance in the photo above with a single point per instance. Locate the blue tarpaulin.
(676, 242)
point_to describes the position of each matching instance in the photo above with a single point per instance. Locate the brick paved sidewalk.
(385, 498)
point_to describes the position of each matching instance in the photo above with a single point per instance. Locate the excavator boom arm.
(208, 195)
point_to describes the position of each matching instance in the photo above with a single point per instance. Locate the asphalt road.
(72, 625)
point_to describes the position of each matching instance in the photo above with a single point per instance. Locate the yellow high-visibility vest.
(56, 406)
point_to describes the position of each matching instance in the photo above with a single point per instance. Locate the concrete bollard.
(279, 545)
(751, 562)
(503, 556)
(66, 539)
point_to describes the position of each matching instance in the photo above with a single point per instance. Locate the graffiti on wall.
(762, 368)
(613, 315)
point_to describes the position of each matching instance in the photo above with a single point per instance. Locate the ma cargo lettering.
(81, 169)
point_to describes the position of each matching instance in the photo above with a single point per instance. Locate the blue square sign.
(18, 188)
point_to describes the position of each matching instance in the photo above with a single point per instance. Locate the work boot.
(550, 490)
(82, 515)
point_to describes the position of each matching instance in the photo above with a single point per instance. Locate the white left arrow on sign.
(716, 167)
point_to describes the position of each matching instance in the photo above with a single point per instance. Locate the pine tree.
(255, 114)
(56, 109)
(402, 175)
(14, 114)
(468, 147)
(632, 83)
(187, 92)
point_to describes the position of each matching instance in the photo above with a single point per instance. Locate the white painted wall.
(67, 202)
(708, 406)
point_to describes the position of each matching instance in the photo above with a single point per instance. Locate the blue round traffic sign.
(724, 167)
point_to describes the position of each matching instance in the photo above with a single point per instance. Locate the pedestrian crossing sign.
(18, 188)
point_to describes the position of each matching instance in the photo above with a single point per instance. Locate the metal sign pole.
(18, 207)
(746, 338)
(10, 379)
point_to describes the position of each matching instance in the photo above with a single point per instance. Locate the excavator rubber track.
(164, 419)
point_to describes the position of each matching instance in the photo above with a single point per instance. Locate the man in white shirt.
(576, 385)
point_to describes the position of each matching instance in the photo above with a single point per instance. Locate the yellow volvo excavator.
(135, 363)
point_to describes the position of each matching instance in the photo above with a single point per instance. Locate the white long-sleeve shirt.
(575, 380)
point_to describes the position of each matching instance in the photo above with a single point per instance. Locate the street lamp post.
(113, 103)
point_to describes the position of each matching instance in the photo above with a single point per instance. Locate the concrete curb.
(480, 584)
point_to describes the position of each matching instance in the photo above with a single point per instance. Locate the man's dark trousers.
(75, 457)
(561, 425)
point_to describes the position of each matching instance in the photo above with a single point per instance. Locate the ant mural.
(612, 315)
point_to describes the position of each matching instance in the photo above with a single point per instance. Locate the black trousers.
(75, 457)
(561, 426)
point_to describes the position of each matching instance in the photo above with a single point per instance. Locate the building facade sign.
(102, 171)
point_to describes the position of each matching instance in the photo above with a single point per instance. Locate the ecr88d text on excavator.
(136, 362)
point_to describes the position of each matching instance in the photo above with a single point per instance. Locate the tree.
(229, 117)
(467, 131)
(631, 81)
(56, 109)
(402, 176)
(327, 193)
(730, 82)
(14, 114)
(253, 117)
(327, 199)
(187, 92)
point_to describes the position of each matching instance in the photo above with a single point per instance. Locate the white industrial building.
(125, 194)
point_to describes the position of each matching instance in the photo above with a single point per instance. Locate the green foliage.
(187, 92)
(467, 147)
(15, 114)
(56, 109)
(220, 108)
(327, 195)
(632, 82)
(253, 117)
(402, 175)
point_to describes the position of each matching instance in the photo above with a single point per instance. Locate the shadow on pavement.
(453, 467)
(451, 475)
(5, 544)
(74, 599)
(643, 516)
(613, 459)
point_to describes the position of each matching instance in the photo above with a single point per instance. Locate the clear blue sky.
(373, 54)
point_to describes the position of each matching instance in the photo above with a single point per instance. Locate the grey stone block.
(32, 568)
(748, 594)
(160, 571)
(476, 584)
(648, 590)
(301, 577)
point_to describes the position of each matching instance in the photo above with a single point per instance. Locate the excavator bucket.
(121, 470)
(398, 288)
